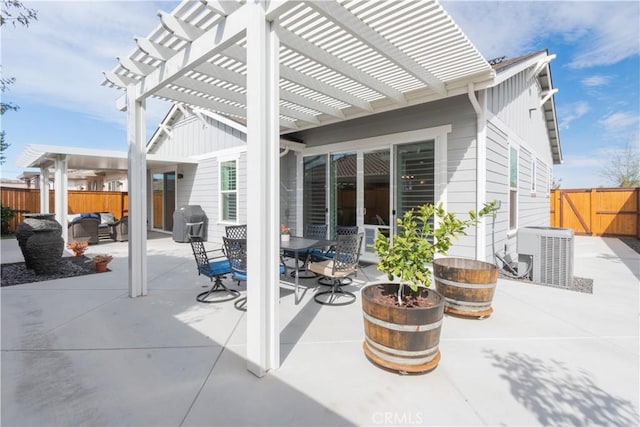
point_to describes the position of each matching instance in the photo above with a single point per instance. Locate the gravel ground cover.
(17, 273)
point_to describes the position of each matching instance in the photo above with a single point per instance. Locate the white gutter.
(480, 107)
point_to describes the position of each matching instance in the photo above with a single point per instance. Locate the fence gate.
(597, 211)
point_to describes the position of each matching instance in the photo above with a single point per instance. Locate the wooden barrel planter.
(400, 338)
(467, 285)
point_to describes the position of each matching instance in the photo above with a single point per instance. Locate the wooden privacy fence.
(24, 200)
(597, 211)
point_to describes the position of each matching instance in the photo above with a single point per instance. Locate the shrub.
(7, 215)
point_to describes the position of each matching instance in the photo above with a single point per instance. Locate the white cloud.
(619, 121)
(603, 33)
(59, 60)
(570, 112)
(596, 80)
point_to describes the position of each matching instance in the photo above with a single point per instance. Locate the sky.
(59, 59)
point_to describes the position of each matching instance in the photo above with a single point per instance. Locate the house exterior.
(498, 143)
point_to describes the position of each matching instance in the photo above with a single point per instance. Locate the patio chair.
(335, 270)
(84, 230)
(119, 230)
(236, 252)
(236, 231)
(215, 269)
(341, 230)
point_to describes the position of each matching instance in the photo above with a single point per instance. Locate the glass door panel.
(376, 177)
(169, 200)
(343, 196)
(415, 176)
(164, 200)
(314, 208)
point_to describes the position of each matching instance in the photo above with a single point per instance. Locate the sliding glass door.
(163, 186)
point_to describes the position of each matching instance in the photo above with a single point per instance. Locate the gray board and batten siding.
(516, 119)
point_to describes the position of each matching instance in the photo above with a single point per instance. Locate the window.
(228, 191)
(513, 188)
(113, 185)
(533, 175)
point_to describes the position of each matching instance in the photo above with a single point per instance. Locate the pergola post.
(263, 142)
(44, 190)
(61, 188)
(137, 169)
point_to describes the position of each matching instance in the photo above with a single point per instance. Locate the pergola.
(281, 66)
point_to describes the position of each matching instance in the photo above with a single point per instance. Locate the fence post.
(593, 207)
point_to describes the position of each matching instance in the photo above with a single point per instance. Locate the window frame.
(222, 192)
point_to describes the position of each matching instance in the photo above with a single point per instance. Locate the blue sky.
(58, 63)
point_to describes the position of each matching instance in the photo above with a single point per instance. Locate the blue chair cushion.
(243, 276)
(240, 276)
(90, 215)
(217, 268)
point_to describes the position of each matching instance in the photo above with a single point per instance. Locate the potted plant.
(101, 261)
(77, 247)
(403, 320)
(285, 233)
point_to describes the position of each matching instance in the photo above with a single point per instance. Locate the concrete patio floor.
(79, 351)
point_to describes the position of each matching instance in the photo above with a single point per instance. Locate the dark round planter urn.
(41, 243)
(401, 338)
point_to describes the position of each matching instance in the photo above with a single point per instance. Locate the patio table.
(301, 244)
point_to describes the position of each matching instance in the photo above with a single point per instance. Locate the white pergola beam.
(263, 193)
(137, 176)
(154, 50)
(236, 53)
(237, 97)
(310, 50)
(324, 88)
(214, 40)
(136, 67)
(210, 104)
(118, 80)
(354, 26)
(238, 79)
(222, 7)
(179, 28)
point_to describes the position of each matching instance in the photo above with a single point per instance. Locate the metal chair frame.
(215, 270)
(343, 264)
(236, 231)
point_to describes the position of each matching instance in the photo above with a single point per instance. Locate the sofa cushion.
(106, 218)
(90, 215)
(73, 217)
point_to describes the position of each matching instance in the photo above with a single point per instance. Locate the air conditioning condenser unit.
(550, 249)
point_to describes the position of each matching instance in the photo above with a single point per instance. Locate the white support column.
(44, 190)
(263, 142)
(137, 162)
(61, 187)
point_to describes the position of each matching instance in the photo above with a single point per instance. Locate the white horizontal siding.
(497, 188)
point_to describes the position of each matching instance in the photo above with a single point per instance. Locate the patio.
(79, 351)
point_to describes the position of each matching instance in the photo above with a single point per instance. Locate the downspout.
(480, 107)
